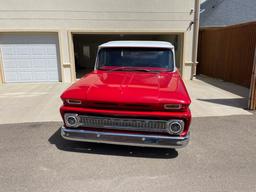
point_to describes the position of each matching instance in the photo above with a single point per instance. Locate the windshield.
(157, 59)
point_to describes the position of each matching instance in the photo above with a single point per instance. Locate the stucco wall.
(99, 16)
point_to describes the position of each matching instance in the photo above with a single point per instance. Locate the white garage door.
(30, 57)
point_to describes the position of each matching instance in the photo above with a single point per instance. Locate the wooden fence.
(228, 53)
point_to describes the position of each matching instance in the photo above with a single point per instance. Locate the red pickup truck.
(135, 96)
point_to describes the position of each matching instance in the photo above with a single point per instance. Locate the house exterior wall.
(100, 16)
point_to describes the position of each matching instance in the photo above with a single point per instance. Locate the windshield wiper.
(129, 69)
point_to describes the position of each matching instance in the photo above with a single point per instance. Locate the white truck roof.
(143, 44)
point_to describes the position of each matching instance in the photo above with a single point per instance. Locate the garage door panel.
(50, 63)
(29, 51)
(40, 64)
(44, 64)
(11, 76)
(25, 76)
(52, 75)
(11, 65)
(23, 64)
(40, 76)
(29, 62)
(44, 50)
(51, 50)
(16, 49)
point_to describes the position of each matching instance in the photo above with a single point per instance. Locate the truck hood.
(129, 87)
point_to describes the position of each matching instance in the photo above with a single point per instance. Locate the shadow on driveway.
(233, 102)
(106, 149)
(227, 86)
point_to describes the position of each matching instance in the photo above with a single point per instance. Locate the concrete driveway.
(21, 103)
(220, 158)
(213, 97)
(30, 102)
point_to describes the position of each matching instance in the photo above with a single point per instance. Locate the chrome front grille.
(123, 123)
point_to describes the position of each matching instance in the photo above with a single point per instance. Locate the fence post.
(252, 95)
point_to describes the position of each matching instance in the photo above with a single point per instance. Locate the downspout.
(195, 38)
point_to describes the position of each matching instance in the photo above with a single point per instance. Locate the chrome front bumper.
(124, 138)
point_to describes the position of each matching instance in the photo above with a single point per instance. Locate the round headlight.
(71, 120)
(175, 127)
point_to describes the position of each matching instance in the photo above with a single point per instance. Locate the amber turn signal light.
(73, 101)
(173, 106)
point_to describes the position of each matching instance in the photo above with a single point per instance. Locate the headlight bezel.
(176, 122)
(75, 117)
